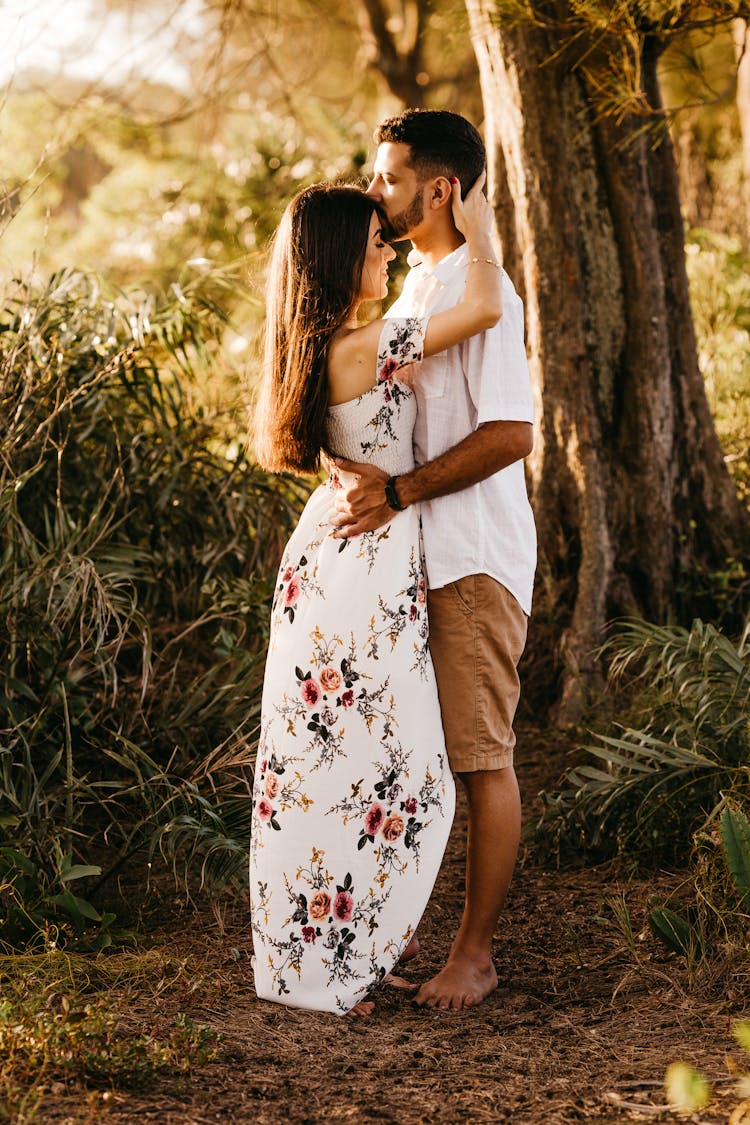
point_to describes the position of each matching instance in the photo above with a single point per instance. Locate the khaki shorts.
(477, 636)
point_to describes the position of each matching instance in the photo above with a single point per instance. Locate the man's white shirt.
(487, 528)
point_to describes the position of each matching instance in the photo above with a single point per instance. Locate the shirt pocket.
(431, 376)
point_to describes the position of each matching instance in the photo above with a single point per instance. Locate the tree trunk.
(395, 55)
(742, 49)
(627, 477)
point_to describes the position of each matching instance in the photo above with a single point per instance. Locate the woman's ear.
(440, 194)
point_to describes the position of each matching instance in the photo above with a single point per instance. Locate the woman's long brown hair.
(313, 284)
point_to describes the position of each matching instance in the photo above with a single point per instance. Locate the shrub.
(135, 576)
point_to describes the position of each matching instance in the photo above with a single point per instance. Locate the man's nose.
(373, 191)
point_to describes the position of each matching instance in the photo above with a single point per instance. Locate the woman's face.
(374, 284)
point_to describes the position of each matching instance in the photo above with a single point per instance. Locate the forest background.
(140, 541)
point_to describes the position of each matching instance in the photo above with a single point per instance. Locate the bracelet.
(391, 496)
(489, 261)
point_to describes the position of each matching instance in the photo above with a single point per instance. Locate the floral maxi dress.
(353, 797)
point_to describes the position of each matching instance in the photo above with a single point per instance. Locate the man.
(474, 427)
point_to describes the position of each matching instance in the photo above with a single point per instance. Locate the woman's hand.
(473, 216)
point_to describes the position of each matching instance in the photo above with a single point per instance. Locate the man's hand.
(360, 499)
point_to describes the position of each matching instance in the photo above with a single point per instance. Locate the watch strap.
(391, 496)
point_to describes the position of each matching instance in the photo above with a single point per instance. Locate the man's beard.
(399, 226)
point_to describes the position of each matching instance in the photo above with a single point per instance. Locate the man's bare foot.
(462, 983)
(410, 952)
(363, 1010)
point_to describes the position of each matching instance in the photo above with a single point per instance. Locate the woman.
(353, 795)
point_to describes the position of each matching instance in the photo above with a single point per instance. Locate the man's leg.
(494, 829)
(477, 636)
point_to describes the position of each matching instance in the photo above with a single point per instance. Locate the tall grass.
(136, 567)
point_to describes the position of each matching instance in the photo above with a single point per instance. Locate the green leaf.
(673, 930)
(735, 837)
(76, 907)
(79, 871)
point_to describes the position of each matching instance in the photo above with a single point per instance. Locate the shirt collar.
(446, 267)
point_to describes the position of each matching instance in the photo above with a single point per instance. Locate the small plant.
(687, 1089)
(37, 909)
(72, 1019)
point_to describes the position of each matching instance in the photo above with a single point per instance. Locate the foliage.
(720, 298)
(674, 786)
(661, 779)
(134, 590)
(38, 908)
(143, 201)
(606, 41)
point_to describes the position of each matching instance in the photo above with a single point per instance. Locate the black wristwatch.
(391, 496)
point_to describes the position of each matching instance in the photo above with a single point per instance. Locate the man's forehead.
(392, 157)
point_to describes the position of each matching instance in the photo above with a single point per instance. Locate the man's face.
(397, 191)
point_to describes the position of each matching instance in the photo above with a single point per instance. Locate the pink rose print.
(292, 593)
(393, 828)
(265, 809)
(308, 934)
(373, 819)
(387, 370)
(288, 573)
(343, 906)
(320, 905)
(421, 591)
(412, 612)
(310, 692)
(330, 679)
(347, 699)
(272, 786)
(410, 804)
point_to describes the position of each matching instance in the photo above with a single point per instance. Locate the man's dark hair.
(441, 143)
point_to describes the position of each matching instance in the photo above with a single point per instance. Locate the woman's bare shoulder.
(352, 358)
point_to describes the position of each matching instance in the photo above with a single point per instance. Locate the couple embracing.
(402, 599)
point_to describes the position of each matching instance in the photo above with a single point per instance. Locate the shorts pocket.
(464, 593)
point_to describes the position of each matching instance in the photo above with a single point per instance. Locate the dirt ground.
(576, 1031)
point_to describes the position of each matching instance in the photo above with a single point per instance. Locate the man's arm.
(361, 504)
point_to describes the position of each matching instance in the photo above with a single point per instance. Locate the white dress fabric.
(353, 798)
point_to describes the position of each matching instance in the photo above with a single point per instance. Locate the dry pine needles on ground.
(579, 1030)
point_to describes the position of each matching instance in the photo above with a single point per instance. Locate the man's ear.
(440, 193)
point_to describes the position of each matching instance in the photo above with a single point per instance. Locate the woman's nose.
(390, 253)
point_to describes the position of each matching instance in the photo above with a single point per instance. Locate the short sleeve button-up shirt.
(487, 528)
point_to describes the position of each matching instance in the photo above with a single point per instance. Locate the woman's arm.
(482, 304)
(353, 357)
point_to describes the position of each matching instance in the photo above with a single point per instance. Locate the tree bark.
(742, 49)
(627, 477)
